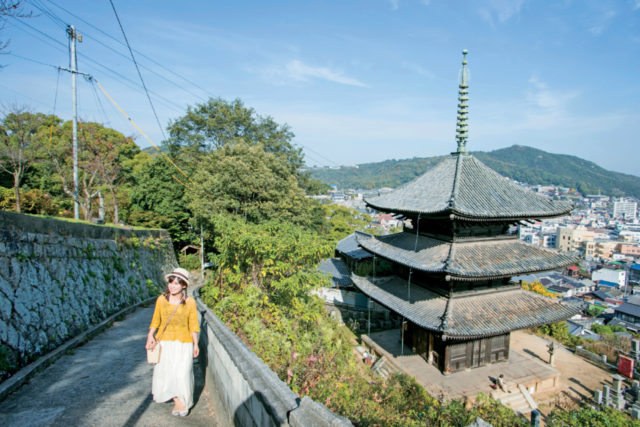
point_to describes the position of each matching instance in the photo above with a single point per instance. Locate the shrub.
(189, 262)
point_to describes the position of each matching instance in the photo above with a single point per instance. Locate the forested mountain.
(525, 164)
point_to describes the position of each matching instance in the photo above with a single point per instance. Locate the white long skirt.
(173, 376)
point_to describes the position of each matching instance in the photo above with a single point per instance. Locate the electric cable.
(97, 98)
(32, 60)
(55, 103)
(137, 51)
(48, 13)
(140, 130)
(137, 69)
(107, 69)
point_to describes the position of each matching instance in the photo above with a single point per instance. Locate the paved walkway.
(106, 382)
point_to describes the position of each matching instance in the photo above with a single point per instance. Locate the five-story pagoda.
(454, 259)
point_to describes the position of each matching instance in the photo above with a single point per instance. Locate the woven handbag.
(153, 355)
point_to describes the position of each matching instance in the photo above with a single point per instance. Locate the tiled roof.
(349, 246)
(479, 314)
(463, 185)
(474, 259)
(600, 295)
(628, 308)
(338, 270)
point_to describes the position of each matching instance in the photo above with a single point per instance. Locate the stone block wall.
(245, 391)
(57, 278)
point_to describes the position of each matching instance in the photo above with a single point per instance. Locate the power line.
(318, 154)
(97, 98)
(143, 66)
(32, 60)
(107, 69)
(137, 51)
(137, 68)
(48, 13)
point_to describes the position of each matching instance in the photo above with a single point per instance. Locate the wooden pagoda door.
(478, 353)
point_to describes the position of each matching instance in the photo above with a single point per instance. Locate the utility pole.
(73, 69)
(73, 36)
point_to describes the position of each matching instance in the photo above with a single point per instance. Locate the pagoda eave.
(466, 260)
(472, 316)
(452, 214)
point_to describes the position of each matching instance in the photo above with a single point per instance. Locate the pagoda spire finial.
(462, 129)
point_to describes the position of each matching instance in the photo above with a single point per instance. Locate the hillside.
(525, 164)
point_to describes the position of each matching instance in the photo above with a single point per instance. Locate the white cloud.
(636, 5)
(542, 97)
(394, 4)
(415, 68)
(503, 10)
(297, 71)
(603, 21)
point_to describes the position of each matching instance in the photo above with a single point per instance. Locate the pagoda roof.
(472, 259)
(476, 314)
(463, 186)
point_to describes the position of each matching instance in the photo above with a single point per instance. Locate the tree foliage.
(157, 199)
(21, 144)
(246, 180)
(218, 123)
(591, 417)
(538, 288)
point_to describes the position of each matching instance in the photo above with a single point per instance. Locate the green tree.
(246, 180)
(156, 199)
(102, 152)
(595, 311)
(219, 123)
(21, 145)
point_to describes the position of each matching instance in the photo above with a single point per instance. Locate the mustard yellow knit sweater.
(181, 325)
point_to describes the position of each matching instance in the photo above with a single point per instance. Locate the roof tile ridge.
(451, 256)
(456, 182)
(444, 325)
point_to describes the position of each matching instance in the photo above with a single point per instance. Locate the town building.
(453, 260)
(625, 208)
(609, 275)
(573, 239)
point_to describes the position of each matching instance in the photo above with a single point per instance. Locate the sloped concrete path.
(106, 382)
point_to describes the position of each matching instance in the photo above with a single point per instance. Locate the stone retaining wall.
(58, 278)
(244, 390)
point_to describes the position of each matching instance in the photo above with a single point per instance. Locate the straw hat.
(180, 273)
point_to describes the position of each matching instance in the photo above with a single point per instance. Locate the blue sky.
(357, 81)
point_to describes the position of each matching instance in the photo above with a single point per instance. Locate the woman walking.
(176, 316)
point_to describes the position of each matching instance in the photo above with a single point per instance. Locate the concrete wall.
(58, 278)
(581, 351)
(244, 390)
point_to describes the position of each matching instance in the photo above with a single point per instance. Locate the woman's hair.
(167, 293)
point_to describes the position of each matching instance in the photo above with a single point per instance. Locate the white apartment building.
(609, 275)
(625, 208)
